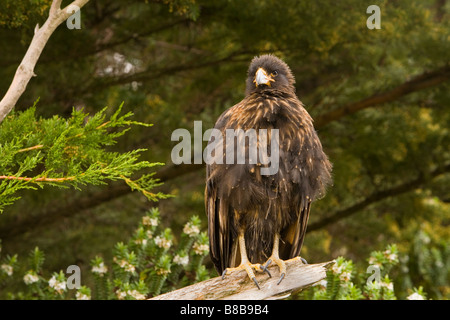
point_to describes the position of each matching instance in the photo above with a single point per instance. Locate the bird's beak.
(261, 77)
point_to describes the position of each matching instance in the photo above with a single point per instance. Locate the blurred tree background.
(380, 99)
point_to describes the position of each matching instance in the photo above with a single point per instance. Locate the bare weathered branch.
(25, 71)
(55, 7)
(238, 286)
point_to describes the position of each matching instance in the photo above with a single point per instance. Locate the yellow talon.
(245, 263)
(248, 267)
(275, 259)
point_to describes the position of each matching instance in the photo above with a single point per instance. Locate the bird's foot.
(281, 264)
(248, 267)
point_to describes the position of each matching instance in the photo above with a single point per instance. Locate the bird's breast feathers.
(267, 111)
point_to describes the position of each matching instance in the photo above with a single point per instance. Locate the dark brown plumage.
(239, 199)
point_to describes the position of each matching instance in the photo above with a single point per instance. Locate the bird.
(258, 218)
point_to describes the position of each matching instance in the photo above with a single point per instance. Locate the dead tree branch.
(237, 286)
(26, 68)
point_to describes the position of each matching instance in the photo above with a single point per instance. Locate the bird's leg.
(245, 263)
(275, 258)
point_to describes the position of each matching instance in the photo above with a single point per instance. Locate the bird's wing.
(221, 246)
(293, 235)
(307, 169)
(219, 215)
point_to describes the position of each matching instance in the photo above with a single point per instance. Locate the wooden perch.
(237, 286)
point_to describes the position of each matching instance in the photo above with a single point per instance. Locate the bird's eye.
(274, 73)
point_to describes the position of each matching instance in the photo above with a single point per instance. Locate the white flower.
(8, 269)
(57, 285)
(30, 278)
(375, 262)
(415, 296)
(82, 296)
(388, 285)
(336, 269)
(136, 294)
(141, 241)
(191, 230)
(52, 281)
(392, 257)
(101, 269)
(163, 242)
(200, 248)
(121, 295)
(345, 276)
(126, 266)
(147, 221)
(181, 260)
(130, 268)
(162, 272)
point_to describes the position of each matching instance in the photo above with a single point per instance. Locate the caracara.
(258, 205)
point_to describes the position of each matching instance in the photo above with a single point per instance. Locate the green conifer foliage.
(71, 152)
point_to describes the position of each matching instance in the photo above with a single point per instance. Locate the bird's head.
(267, 72)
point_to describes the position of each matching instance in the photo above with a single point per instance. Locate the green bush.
(149, 264)
(345, 282)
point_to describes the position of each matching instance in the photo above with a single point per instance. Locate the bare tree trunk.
(26, 68)
(237, 286)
